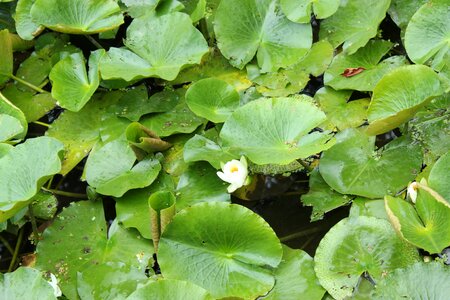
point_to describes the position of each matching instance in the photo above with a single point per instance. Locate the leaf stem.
(30, 85)
(42, 124)
(300, 234)
(7, 245)
(305, 165)
(33, 224)
(93, 41)
(66, 194)
(16, 250)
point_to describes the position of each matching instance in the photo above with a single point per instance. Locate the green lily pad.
(200, 183)
(10, 127)
(109, 281)
(354, 167)
(79, 131)
(8, 108)
(214, 65)
(425, 224)
(369, 208)
(368, 58)
(356, 246)
(111, 170)
(33, 106)
(294, 78)
(200, 148)
(340, 112)
(354, 24)
(300, 11)
(418, 281)
(35, 70)
(77, 16)
(401, 11)
(322, 197)
(427, 35)
(132, 208)
(176, 43)
(25, 283)
(6, 53)
(212, 99)
(440, 176)
(399, 95)
(178, 120)
(242, 33)
(72, 86)
(138, 8)
(268, 131)
(170, 289)
(143, 141)
(223, 239)
(78, 239)
(295, 278)
(24, 169)
(25, 25)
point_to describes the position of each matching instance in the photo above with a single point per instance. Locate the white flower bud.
(54, 284)
(412, 191)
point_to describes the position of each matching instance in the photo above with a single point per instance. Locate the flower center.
(234, 169)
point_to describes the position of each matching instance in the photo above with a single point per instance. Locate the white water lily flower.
(234, 172)
(412, 191)
(54, 284)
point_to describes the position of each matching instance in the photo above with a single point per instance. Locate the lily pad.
(340, 112)
(399, 95)
(300, 10)
(427, 35)
(356, 246)
(25, 283)
(223, 239)
(24, 169)
(425, 224)
(175, 43)
(25, 25)
(369, 208)
(77, 16)
(401, 11)
(138, 8)
(269, 131)
(170, 289)
(439, 177)
(322, 197)
(109, 281)
(66, 250)
(200, 183)
(354, 24)
(353, 166)
(418, 281)
(242, 33)
(368, 59)
(111, 170)
(200, 148)
(212, 99)
(10, 127)
(72, 86)
(8, 108)
(295, 278)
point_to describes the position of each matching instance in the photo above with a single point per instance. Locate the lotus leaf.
(26, 27)
(273, 125)
(228, 241)
(170, 289)
(201, 148)
(242, 33)
(295, 278)
(427, 35)
(358, 246)
(399, 95)
(24, 169)
(368, 59)
(77, 16)
(25, 283)
(352, 166)
(10, 126)
(440, 176)
(212, 99)
(425, 224)
(66, 250)
(354, 24)
(300, 10)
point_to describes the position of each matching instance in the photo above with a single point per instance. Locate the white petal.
(412, 191)
(232, 188)
(223, 176)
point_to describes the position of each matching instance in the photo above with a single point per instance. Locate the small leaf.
(144, 141)
(162, 210)
(10, 127)
(72, 86)
(25, 283)
(349, 72)
(25, 26)
(300, 10)
(6, 53)
(439, 177)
